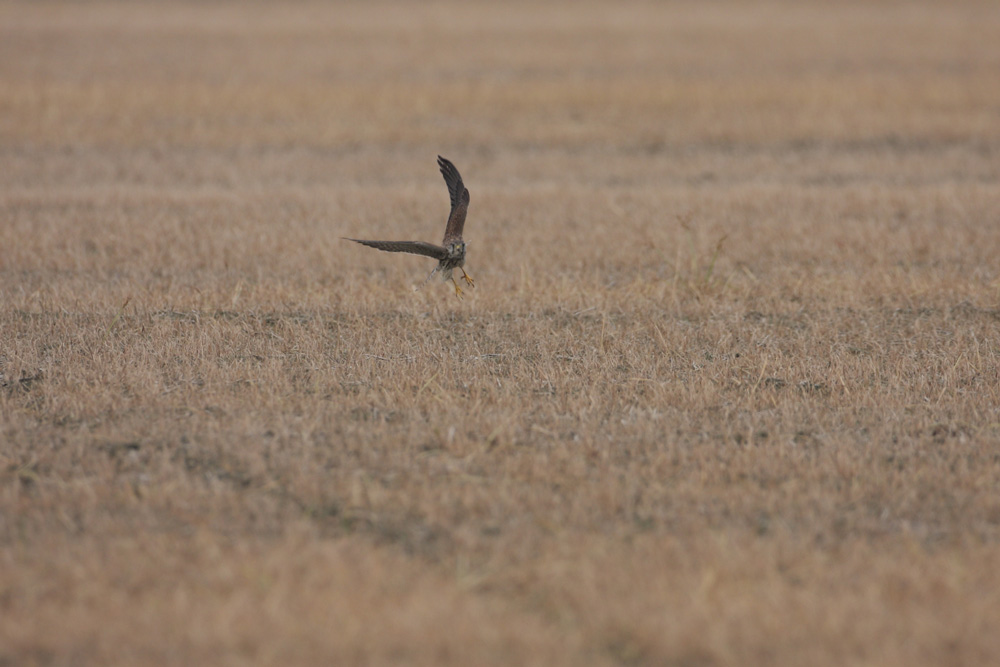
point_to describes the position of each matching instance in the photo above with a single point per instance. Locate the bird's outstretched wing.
(414, 247)
(459, 200)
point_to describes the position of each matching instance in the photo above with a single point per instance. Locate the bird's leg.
(472, 283)
(458, 290)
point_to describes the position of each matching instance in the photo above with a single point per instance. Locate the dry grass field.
(727, 391)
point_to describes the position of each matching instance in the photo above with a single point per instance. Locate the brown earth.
(727, 391)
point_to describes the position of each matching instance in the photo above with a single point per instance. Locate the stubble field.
(727, 391)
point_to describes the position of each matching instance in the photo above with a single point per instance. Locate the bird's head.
(456, 249)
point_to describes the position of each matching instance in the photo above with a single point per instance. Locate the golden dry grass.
(727, 393)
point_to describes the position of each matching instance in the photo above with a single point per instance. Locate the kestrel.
(451, 253)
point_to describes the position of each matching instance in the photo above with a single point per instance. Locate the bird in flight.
(451, 253)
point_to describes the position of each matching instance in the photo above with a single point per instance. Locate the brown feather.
(459, 201)
(413, 247)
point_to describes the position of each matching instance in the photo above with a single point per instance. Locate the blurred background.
(614, 117)
(726, 392)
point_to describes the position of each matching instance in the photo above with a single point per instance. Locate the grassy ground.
(727, 391)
